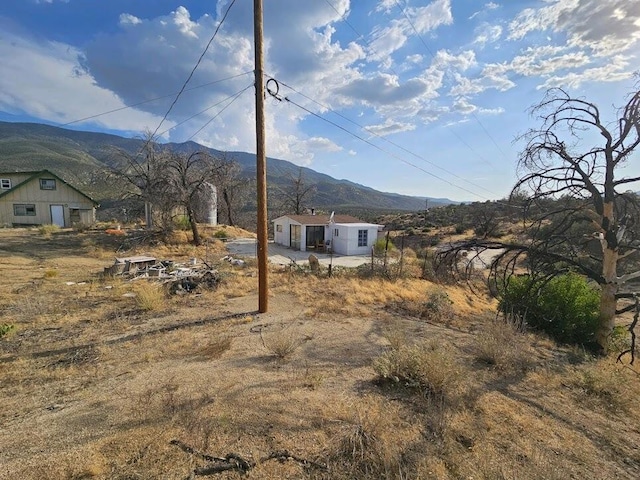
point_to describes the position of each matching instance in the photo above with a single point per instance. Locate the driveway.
(280, 255)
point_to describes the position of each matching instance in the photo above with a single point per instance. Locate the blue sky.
(442, 87)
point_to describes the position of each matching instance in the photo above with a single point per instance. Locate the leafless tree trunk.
(297, 194)
(578, 198)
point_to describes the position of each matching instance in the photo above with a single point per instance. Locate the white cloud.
(128, 19)
(31, 71)
(386, 40)
(487, 6)
(487, 34)
(389, 127)
(463, 106)
(385, 89)
(605, 27)
(615, 70)
(443, 59)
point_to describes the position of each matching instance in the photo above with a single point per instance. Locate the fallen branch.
(233, 461)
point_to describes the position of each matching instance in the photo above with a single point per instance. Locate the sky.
(417, 97)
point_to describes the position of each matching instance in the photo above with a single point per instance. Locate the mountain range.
(84, 158)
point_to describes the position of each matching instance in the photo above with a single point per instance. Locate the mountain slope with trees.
(86, 158)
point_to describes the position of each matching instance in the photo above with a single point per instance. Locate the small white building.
(342, 234)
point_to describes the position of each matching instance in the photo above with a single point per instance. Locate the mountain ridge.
(84, 158)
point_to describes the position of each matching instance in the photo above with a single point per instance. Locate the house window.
(362, 238)
(335, 232)
(278, 228)
(24, 210)
(5, 183)
(47, 184)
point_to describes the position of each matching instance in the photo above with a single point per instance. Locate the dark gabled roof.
(323, 219)
(34, 175)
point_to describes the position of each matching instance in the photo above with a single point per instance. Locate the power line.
(355, 135)
(237, 95)
(433, 56)
(326, 107)
(205, 110)
(133, 105)
(193, 70)
(360, 36)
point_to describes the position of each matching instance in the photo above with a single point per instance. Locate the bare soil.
(94, 386)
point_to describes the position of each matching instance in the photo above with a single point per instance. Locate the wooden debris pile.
(182, 278)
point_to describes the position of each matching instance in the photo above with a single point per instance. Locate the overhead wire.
(205, 110)
(361, 36)
(143, 102)
(391, 154)
(195, 67)
(383, 138)
(406, 16)
(235, 97)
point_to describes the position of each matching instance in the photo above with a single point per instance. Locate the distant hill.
(84, 158)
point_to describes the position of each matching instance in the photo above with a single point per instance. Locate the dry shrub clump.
(281, 345)
(372, 441)
(150, 297)
(214, 348)
(47, 230)
(431, 369)
(438, 307)
(502, 344)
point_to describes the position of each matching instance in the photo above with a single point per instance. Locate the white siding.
(284, 236)
(348, 235)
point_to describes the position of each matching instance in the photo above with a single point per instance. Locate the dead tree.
(296, 194)
(580, 214)
(188, 176)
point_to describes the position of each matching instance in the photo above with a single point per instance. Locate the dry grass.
(90, 409)
(502, 344)
(430, 368)
(282, 344)
(150, 297)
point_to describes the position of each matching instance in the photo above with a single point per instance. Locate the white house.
(342, 234)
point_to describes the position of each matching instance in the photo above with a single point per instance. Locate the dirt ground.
(96, 384)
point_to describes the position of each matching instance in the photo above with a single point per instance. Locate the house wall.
(351, 243)
(31, 194)
(282, 237)
(339, 242)
(16, 178)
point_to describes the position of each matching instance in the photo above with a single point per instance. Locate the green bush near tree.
(565, 307)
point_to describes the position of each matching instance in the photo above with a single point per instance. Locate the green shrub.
(565, 307)
(381, 244)
(182, 222)
(221, 234)
(6, 329)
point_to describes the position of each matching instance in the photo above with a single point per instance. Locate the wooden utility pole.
(261, 161)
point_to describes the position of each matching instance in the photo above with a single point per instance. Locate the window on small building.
(47, 184)
(24, 210)
(5, 183)
(335, 232)
(362, 238)
(278, 228)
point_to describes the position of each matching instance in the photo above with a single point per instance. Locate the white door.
(57, 215)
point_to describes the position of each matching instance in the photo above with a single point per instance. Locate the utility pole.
(261, 160)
